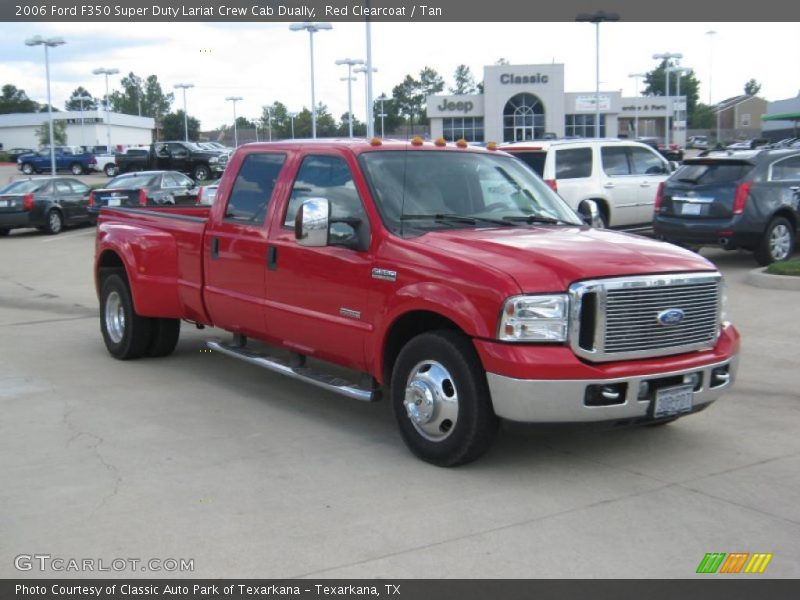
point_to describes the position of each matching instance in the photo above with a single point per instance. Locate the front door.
(317, 297)
(236, 248)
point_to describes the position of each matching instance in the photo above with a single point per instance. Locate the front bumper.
(548, 384)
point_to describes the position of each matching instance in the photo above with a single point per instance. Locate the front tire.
(76, 169)
(777, 243)
(441, 399)
(55, 222)
(200, 173)
(27, 168)
(110, 170)
(126, 334)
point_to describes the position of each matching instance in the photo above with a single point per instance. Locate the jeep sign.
(464, 107)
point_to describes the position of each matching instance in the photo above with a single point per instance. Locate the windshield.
(421, 190)
(23, 187)
(131, 181)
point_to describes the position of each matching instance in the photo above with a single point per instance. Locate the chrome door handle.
(644, 184)
(795, 188)
(608, 186)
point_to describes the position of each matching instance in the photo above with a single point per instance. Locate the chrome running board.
(325, 381)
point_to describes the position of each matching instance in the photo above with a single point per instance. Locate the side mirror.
(590, 214)
(311, 222)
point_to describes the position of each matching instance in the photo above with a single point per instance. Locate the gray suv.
(748, 199)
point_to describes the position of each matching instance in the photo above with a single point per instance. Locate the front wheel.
(126, 334)
(777, 243)
(110, 170)
(441, 399)
(27, 168)
(76, 169)
(200, 173)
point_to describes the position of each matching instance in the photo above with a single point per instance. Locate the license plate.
(113, 201)
(673, 401)
(3, 203)
(691, 209)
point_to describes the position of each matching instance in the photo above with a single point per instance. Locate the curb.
(759, 278)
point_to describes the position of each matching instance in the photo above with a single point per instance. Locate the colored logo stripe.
(734, 562)
(711, 562)
(758, 563)
(721, 562)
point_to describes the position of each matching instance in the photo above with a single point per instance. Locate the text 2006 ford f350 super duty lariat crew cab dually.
(451, 279)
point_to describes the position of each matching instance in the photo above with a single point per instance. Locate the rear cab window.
(252, 190)
(573, 163)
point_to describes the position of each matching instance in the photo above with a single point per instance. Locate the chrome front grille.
(615, 319)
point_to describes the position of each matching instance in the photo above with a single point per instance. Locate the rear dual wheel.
(128, 335)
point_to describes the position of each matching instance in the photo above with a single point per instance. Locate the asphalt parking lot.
(198, 456)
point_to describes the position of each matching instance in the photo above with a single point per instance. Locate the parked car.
(207, 193)
(145, 188)
(47, 203)
(15, 153)
(67, 158)
(451, 280)
(672, 152)
(619, 177)
(747, 200)
(748, 144)
(698, 142)
(185, 157)
(106, 163)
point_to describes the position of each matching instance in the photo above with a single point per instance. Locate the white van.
(621, 177)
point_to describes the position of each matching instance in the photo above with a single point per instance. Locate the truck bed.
(165, 246)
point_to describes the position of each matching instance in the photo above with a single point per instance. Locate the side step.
(306, 374)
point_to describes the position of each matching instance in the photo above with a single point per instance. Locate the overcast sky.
(267, 62)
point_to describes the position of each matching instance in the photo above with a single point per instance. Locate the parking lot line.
(65, 236)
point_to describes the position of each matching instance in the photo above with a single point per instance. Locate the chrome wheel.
(54, 222)
(780, 242)
(115, 317)
(27, 168)
(431, 400)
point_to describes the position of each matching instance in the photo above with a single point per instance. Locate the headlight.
(535, 319)
(213, 159)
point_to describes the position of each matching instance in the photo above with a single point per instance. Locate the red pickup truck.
(451, 279)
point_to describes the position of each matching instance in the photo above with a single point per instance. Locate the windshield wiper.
(468, 219)
(531, 219)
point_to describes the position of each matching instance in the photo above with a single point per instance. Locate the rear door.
(81, 198)
(783, 185)
(573, 173)
(651, 169)
(235, 247)
(67, 199)
(620, 184)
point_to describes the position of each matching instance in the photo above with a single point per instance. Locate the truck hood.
(549, 259)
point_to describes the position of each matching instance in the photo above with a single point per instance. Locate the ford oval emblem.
(670, 317)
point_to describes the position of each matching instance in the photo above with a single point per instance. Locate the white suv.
(620, 177)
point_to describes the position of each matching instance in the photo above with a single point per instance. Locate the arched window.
(523, 118)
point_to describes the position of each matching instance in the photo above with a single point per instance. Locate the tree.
(752, 87)
(407, 98)
(59, 133)
(703, 117)
(391, 120)
(74, 104)
(172, 127)
(326, 125)
(465, 82)
(15, 100)
(656, 82)
(280, 120)
(245, 123)
(359, 128)
(130, 100)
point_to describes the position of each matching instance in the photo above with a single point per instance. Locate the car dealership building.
(529, 102)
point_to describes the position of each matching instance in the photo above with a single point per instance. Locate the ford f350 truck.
(451, 280)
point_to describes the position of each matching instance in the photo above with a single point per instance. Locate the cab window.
(615, 160)
(253, 187)
(573, 163)
(326, 177)
(645, 162)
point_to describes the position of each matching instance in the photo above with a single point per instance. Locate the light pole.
(269, 121)
(666, 57)
(636, 77)
(597, 18)
(292, 116)
(234, 99)
(369, 72)
(312, 28)
(255, 122)
(368, 97)
(349, 79)
(382, 98)
(48, 43)
(81, 99)
(184, 87)
(711, 33)
(681, 71)
(107, 72)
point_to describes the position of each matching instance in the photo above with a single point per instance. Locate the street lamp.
(666, 57)
(681, 71)
(711, 33)
(382, 98)
(292, 116)
(234, 99)
(269, 121)
(367, 78)
(597, 18)
(636, 77)
(184, 87)
(312, 28)
(81, 100)
(107, 72)
(48, 43)
(350, 62)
